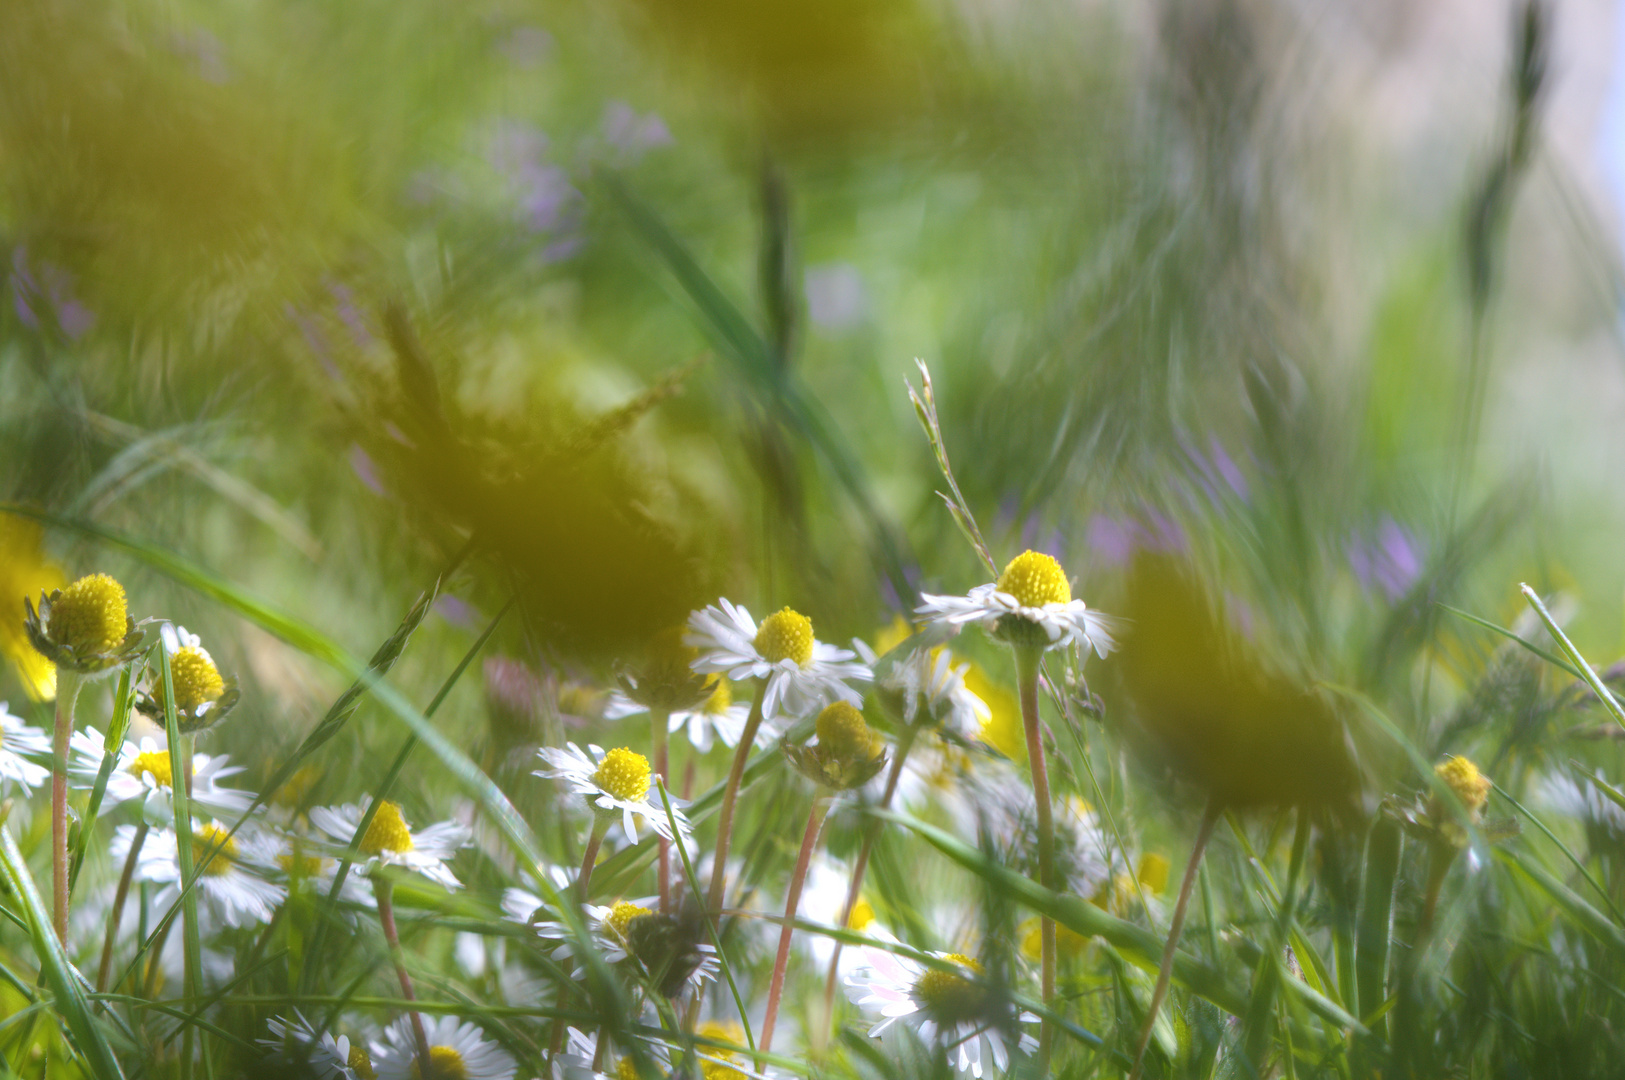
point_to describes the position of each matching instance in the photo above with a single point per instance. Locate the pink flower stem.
(809, 840)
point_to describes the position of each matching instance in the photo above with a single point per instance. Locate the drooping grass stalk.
(809, 841)
(68, 684)
(384, 890)
(657, 734)
(116, 914)
(730, 794)
(1204, 832)
(860, 868)
(1027, 661)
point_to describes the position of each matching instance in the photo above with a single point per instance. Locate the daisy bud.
(85, 628)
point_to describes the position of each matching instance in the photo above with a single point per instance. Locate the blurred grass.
(301, 299)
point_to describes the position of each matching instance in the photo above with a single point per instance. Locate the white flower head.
(331, 1058)
(1031, 605)
(947, 1006)
(305, 864)
(234, 883)
(927, 681)
(718, 715)
(616, 782)
(608, 922)
(802, 673)
(16, 739)
(456, 1048)
(391, 842)
(143, 770)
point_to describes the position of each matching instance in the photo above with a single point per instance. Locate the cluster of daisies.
(806, 699)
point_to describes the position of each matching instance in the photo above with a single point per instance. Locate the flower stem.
(589, 859)
(1027, 661)
(657, 733)
(384, 890)
(67, 694)
(809, 840)
(1209, 818)
(860, 868)
(116, 915)
(725, 816)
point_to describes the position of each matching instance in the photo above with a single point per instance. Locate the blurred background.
(621, 297)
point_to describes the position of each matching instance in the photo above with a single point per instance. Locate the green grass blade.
(1376, 927)
(67, 985)
(180, 756)
(123, 698)
(1580, 668)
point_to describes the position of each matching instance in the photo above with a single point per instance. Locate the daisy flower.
(926, 685)
(16, 739)
(718, 715)
(944, 1005)
(202, 696)
(618, 781)
(1030, 605)
(1583, 802)
(801, 672)
(822, 900)
(297, 1040)
(143, 770)
(303, 867)
(609, 927)
(391, 842)
(581, 1051)
(456, 1050)
(233, 884)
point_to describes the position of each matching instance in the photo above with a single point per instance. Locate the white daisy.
(607, 921)
(144, 771)
(233, 885)
(305, 867)
(718, 714)
(1030, 604)
(802, 673)
(581, 1052)
(823, 899)
(947, 1007)
(390, 841)
(297, 1040)
(929, 679)
(16, 739)
(1583, 802)
(618, 781)
(456, 1049)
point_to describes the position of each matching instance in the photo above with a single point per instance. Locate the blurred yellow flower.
(1153, 872)
(25, 572)
(1002, 729)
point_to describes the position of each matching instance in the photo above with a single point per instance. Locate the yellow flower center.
(216, 839)
(785, 635)
(291, 794)
(625, 1069)
(1035, 579)
(444, 1064)
(863, 914)
(195, 678)
(730, 1033)
(388, 831)
(623, 774)
(298, 864)
(843, 733)
(1462, 777)
(1153, 872)
(91, 615)
(720, 701)
(360, 1063)
(621, 915)
(156, 763)
(948, 996)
